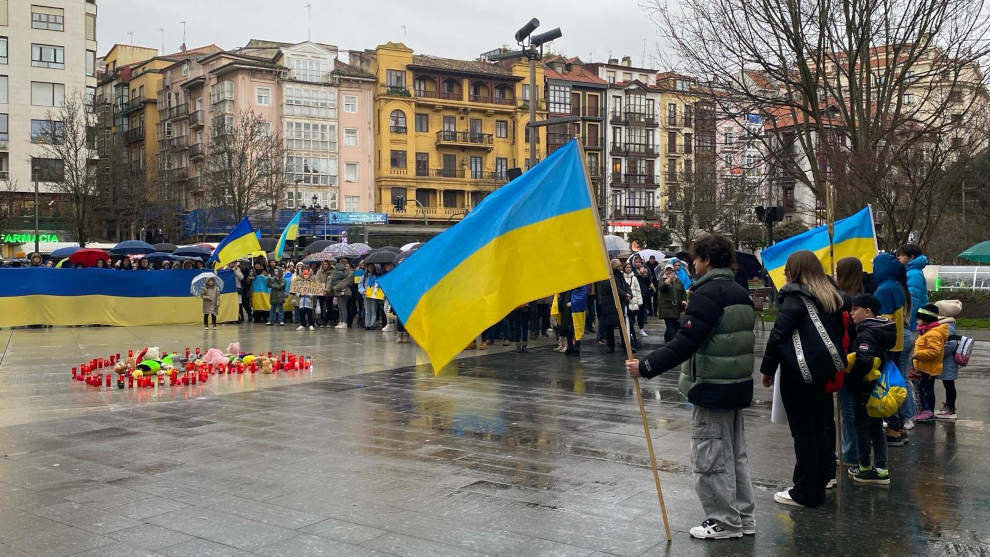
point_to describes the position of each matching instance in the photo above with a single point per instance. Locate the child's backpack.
(888, 393)
(963, 351)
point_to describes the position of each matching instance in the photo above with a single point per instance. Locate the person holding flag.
(291, 232)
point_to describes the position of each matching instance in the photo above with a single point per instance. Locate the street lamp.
(35, 170)
(532, 54)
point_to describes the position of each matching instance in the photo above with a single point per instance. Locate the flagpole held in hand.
(629, 354)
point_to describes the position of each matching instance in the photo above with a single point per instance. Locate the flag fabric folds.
(239, 243)
(853, 236)
(291, 232)
(534, 237)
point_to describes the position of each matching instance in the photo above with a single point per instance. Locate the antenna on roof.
(130, 37)
(309, 21)
(183, 47)
(644, 52)
(405, 35)
(162, 31)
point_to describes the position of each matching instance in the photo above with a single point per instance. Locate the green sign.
(28, 238)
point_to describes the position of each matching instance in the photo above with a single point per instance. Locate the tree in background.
(237, 162)
(273, 185)
(69, 165)
(649, 236)
(751, 236)
(787, 230)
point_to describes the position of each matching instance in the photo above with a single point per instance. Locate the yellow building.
(446, 131)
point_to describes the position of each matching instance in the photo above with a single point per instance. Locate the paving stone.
(149, 536)
(314, 546)
(222, 528)
(344, 531)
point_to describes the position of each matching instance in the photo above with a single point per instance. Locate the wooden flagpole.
(626, 343)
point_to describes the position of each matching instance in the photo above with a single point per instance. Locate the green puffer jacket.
(715, 344)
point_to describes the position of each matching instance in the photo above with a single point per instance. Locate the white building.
(47, 53)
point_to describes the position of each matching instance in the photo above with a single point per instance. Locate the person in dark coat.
(804, 367)
(671, 300)
(608, 314)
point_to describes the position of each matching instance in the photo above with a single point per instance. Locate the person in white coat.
(634, 303)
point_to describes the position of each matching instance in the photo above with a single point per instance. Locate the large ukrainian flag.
(291, 232)
(241, 242)
(532, 238)
(854, 236)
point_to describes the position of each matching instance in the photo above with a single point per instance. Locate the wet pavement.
(374, 454)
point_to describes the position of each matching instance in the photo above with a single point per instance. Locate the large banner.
(45, 296)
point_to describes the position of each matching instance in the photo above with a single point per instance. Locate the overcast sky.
(451, 28)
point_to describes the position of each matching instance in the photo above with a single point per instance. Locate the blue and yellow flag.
(534, 237)
(239, 243)
(854, 236)
(291, 232)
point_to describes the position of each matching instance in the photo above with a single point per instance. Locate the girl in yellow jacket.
(927, 358)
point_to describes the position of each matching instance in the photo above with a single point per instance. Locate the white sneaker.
(300, 327)
(312, 328)
(206, 328)
(831, 484)
(784, 498)
(214, 327)
(387, 328)
(909, 424)
(269, 324)
(341, 326)
(643, 333)
(712, 530)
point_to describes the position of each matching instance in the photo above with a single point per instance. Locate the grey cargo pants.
(721, 467)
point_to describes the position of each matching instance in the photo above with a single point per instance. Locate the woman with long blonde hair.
(805, 348)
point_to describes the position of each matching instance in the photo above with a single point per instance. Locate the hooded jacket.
(917, 286)
(682, 273)
(886, 268)
(715, 344)
(875, 336)
(929, 348)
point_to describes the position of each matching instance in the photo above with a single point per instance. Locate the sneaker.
(341, 326)
(946, 413)
(749, 529)
(214, 327)
(831, 484)
(909, 424)
(872, 476)
(853, 471)
(281, 323)
(269, 324)
(784, 498)
(924, 417)
(300, 327)
(897, 440)
(312, 328)
(387, 328)
(206, 328)
(713, 530)
(643, 333)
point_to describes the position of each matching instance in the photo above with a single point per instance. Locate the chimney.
(626, 61)
(613, 61)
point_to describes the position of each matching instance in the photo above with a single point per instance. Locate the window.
(222, 91)
(422, 164)
(350, 172)
(688, 142)
(310, 136)
(49, 19)
(398, 159)
(263, 96)
(501, 167)
(626, 76)
(48, 170)
(397, 122)
(3, 89)
(317, 171)
(422, 122)
(310, 101)
(3, 127)
(560, 98)
(350, 137)
(48, 56)
(306, 69)
(526, 91)
(688, 115)
(185, 68)
(681, 85)
(730, 138)
(501, 128)
(610, 76)
(3, 50)
(395, 80)
(292, 198)
(90, 27)
(350, 104)
(476, 171)
(47, 94)
(908, 98)
(47, 131)
(352, 203)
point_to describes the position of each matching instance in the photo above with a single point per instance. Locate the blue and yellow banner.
(854, 236)
(241, 242)
(532, 238)
(43, 296)
(291, 232)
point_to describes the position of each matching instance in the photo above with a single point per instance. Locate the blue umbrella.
(133, 247)
(62, 253)
(199, 252)
(158, 256)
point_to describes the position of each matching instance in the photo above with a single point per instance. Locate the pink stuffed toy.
(214, 356)
(234, 348)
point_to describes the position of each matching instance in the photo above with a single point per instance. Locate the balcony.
(196, 151)
(176, 143)
(3, 144)
(397, 90)
(632, 212)
(181, 110)
(194, 184)
(633, 118)
(223, 107)
(464, 139)
(397, 129)
(674, 149)
(132, 105)
(479, 98)
(673, 121)
(637, 179)
(134, 135)
(673, 177)
(196, 119)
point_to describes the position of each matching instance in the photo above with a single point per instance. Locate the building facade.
(47, 53)
(446, 131)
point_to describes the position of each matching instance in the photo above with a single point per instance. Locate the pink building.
(357, 134)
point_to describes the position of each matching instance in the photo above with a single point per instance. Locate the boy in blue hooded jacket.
(914, 260)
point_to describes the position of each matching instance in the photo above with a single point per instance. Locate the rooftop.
(461, 66)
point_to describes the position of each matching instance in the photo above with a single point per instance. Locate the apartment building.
(447, 131)
(47, 52)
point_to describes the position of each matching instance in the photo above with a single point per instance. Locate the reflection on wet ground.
(501, 454)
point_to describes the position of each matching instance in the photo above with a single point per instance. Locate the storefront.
(16, 244)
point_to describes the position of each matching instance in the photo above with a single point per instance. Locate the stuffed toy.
(214, 356)
(266, 365)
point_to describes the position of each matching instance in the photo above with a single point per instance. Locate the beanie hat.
(927, 313)
(949, 308)
(867, 301)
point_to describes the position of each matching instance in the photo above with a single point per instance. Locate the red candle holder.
(108, 380)
(269, 355)
(130, 381)
(187, 352)
(73, 373)
(283, 356)
(130, 353)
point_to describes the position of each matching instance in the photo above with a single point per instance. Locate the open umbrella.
(340, 250)
(645, 254)
(210, 247)
(318, 245)
(411, 246)
(748, 264)
(87, 257)
(199, 282)
(158, 256)
(197, 251)
(979, 253)
(406, 253)
(360, 248)
(615, 244)
(62, 253)
(166, 247)
(381, 256)
(132, 247)
(319, 256)
(268, 244)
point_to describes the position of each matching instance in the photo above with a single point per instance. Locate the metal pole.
(532, 108)
(36, 247)
(294, 202)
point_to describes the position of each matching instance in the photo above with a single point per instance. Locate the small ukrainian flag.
(239, 243)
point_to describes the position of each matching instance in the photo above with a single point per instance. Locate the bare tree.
(8, 187)
(851, 91)
(273, 184)
(69, 166)
(237, 163)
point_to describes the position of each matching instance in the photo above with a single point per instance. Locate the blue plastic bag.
(889, 392)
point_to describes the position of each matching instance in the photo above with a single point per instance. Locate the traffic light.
(399, 203)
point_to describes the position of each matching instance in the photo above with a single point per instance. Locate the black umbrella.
(318, 245)
(748, 264)
(199, 252)
(268, 244)
(166, 247)
(380, 256)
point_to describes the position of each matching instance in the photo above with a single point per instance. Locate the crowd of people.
(829, 336)
(120, 263)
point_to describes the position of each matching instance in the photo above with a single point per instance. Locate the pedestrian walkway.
(502, 454)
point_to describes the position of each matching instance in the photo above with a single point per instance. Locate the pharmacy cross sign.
(28, 238)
